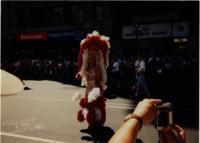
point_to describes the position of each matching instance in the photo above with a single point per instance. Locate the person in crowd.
(115, 72)
(126, 78)
(115, 66)
(141, 86)
(144, 113)
(18, 72)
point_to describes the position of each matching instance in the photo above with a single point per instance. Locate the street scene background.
(40, 45)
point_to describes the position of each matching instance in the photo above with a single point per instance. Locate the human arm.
(172, 134)
(127, 133)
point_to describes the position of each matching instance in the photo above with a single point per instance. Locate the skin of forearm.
(127, 133)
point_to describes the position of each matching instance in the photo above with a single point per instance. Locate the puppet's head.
(94, 52)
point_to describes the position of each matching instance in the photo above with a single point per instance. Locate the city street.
(46, 114)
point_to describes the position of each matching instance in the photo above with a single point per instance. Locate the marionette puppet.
(92, 64)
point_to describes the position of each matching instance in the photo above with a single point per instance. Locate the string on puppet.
(92, 64)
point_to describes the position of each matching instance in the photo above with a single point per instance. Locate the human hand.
(146, 109)
(172, 134)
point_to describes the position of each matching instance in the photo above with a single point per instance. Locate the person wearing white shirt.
(141, 86)
(115, 67)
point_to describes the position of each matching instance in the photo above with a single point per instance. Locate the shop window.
(78, 14)
(58, 16)
(99, 13)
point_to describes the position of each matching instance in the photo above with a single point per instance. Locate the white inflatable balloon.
(10, 84)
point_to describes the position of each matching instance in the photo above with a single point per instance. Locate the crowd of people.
(122, 73)
(124, 76)
(167, 69)
(55, 68)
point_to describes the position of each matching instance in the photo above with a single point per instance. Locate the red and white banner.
(33, 36)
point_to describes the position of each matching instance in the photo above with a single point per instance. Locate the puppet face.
(93, 56)
(91, 60)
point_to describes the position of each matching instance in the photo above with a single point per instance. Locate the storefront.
(159, 37)
(63, 42)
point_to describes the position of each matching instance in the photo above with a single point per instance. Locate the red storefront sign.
(32, 36)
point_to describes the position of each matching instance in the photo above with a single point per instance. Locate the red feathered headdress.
(94, 41)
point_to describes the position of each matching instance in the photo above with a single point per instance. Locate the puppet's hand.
(78, 76)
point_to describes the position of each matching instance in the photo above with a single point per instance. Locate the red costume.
(92, 63)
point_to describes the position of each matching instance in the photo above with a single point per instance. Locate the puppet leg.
(103, 116)
(91, 118)
(80, 116)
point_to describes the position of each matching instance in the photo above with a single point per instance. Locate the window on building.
(78, 14)
(99, 13)
(58, 16)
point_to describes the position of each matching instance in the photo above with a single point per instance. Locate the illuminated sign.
(154, 31)
(160, 30)
(75, 35)
(146, 31)
(33, 36)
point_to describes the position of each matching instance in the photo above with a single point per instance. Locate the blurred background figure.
(140, 86)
